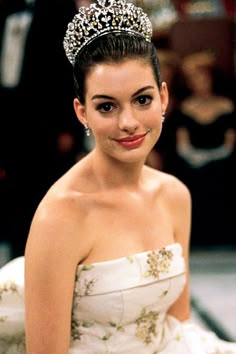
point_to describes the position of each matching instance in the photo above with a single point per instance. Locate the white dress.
(120, 306)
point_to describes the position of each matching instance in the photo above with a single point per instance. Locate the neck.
(111, 173)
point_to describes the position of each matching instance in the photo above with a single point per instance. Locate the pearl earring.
(163, 117)
(87, 130)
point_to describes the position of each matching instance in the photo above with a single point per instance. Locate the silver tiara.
(101, 18)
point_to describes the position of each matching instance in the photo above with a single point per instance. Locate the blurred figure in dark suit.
(34, 125)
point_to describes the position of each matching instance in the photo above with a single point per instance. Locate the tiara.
(104, 17)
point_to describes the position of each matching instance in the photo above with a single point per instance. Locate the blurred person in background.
(197, 143)
(15, 21)
(205, 150)
(41, 140)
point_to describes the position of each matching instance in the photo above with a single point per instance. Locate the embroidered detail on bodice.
(125, 300)
(120, 307)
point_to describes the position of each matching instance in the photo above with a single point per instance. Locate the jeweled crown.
(102, 17)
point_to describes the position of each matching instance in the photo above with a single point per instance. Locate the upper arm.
(182, 225)
(50, 263)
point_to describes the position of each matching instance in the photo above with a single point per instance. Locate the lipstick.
(131, 142)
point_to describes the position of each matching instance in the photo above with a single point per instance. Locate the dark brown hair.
(113, 48)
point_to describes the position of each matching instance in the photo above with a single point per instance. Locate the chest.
(129, 225)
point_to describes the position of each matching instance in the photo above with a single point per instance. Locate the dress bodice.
(119, 307)
(123, 303)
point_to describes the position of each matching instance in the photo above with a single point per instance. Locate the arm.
(51, 257)
(181, 211)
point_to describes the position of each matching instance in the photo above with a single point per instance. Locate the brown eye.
(105, 107)
(144, 100)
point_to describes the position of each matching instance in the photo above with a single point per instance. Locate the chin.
(132, 156)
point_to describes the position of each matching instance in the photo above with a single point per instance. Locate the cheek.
(103, 127)
(155, 117)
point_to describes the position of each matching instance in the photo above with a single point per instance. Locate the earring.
(87, 130)
(163, 117)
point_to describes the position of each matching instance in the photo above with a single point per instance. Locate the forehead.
(125, 76)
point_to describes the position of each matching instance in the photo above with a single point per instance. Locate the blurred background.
(40, 137)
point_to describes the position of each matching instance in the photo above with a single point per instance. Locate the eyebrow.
(112, 98)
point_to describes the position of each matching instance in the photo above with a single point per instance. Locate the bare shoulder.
(57, 225)
(175, 189)
(55, 246)
(175, 198)
(170, 187)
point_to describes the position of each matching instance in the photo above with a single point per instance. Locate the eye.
(144, 100)
(105, 107)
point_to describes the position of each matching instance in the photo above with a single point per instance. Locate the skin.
(98, 210)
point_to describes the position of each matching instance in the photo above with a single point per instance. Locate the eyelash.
(101, 107)
(147, 98)
(111, 105)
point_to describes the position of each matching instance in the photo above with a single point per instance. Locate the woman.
(106, 261)
(205, 151)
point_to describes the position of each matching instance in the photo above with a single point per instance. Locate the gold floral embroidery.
(84, 290)
(13, 344)
(178, 337)
(76, 325)
(5, 288)
(158, 262)
(75, 329)
(80, 290)
(87, 267)
(3, 318)
(8, 286)
(106, 336)
(130, 259)
(146, 326)
(118, 327)
(164, 293)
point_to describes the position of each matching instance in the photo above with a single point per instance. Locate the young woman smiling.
(106, 261)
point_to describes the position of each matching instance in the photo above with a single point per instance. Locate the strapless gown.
(120, 306)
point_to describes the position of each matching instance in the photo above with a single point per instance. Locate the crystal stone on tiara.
(103, 17)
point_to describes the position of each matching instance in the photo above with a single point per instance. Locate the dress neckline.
(174, 245)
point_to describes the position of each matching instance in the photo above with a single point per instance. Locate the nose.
(127, 121)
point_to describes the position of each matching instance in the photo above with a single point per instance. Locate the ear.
(80, 111)
(164, 96)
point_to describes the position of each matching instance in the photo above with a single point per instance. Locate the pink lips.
(132, 141)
